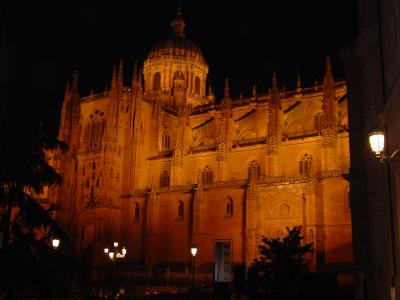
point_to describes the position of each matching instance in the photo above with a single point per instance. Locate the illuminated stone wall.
(159, 172)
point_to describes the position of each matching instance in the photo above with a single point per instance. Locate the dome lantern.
(176, 66)
(178, 24)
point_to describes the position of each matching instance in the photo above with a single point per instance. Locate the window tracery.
(207, 175)
(254, 166)
(164, 179)
(305, 165)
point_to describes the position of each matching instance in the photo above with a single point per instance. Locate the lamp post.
(114, 254)
(193, 250)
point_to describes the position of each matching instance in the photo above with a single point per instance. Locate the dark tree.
(25, 225)
(281, 261)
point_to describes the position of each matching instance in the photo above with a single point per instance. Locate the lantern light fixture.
(116, 252)
(377, 144)
(193, 250)
(55, 243)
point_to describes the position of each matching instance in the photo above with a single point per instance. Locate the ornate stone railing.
(262, 180)
(302, 134)
(203, 148)
(328, 174)
(227, 183)
(282, 179)
(175, 188)
(253, 141)
(298, 178)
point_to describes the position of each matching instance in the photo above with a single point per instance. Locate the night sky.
(241, 40)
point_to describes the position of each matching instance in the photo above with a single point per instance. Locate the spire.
(210, 95)
(121, 74)
(329, 106)
(135, 71)
(274, 81)
(67, 90)
(226, 89)
(298, 84)
(316, 85)
(329, 82)
(178, 24)
(139, 80)
(114, 78)
(74, 88)
(328, 66)
(134, 76)
(75, 80)
(254, 91)
(275, 97)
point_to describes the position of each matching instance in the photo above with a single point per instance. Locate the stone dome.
(177, 47)
(176, 66)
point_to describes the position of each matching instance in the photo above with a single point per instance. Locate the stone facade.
(372, 70)
(168, 166)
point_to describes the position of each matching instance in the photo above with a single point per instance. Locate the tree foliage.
(281, 260)
(25, 173)
(25, 224)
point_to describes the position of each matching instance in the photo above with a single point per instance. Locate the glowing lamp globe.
(55, 243)
(377, 142)
(115, 244)
(193, 250)
(111, 255)
(123, 251)
(106, 250)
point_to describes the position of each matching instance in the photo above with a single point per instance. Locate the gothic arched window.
(318, 121)
(207, 175)
(166, 140)
(254, 166)
(164, 179)
(305, 165)
(179, 79)
(157, 81)
(180, 209)
(197, 85)
(229, 207)
(136, 212)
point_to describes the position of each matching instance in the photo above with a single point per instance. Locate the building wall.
(372, 67)
(277, 158)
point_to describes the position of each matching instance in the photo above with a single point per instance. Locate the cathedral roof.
(178, 45)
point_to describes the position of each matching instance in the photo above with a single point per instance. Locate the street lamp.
(116, 252)
(55, 243)
(377, 144)
(193, 250)
(113, 254)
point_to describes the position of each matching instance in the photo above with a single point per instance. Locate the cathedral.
(161, 164)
